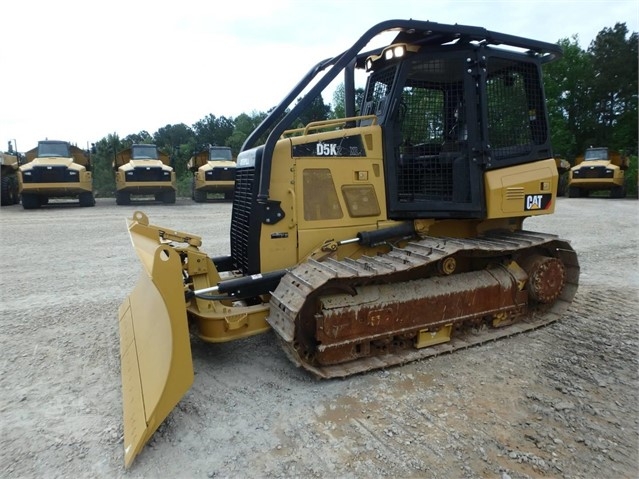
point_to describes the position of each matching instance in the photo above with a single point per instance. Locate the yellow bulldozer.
(55, 169)
(144, 170)
(213, 171)
(390, 235)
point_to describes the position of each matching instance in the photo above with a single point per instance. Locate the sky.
(81, 70)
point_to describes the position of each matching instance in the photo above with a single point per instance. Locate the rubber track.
(299, 284)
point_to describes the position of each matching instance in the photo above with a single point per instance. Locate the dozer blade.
(155, 349)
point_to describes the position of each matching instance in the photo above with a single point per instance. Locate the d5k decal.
(346, 146)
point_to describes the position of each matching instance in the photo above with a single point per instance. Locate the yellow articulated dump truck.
(10, 192)
(213, 173)
(598, 169)
(144, 170)
(55, 169)
(390, 235)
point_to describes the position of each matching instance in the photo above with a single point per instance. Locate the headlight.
(390, 53)
(369, 64)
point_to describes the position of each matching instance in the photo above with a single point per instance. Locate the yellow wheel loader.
(368, 241)
(55, 169)
(144, 170)
(213, 172)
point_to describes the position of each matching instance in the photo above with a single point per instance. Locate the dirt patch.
(557, 402)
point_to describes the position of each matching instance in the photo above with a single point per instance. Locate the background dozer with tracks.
(390, 235)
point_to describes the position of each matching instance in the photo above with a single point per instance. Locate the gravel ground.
(558, 402)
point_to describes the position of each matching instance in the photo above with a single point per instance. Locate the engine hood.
(145, 164)
(594, 164)
(57, 161)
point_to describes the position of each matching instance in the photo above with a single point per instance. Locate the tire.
(87, 199)
(30, 201)
(5, 192)
(169, 197)
(618, 192)
(10, 194)
(574, 192)
(14, 191)
(122, 198)
(229, 195)
(563, 185)
(199, 196)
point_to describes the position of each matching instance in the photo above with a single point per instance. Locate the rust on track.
(338, 318)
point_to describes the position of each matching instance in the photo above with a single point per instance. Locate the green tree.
(140, 138)
(244, 125)
(592, 95)
(614, 60)
(102, 157)
(568, 85)
(171, 138)
(213, 131)
(316, 111)
(339, 101)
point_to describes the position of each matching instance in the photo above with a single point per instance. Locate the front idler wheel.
(546, 277)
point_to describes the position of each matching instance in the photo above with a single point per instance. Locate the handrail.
(320, 124)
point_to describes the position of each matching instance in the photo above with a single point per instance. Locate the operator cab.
(217, 153)
(53, 149)
(144, 152)
(594, 154)
(449, 112)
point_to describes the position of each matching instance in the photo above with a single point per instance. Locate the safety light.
(390, 53)
(369, 64)
(396, 51)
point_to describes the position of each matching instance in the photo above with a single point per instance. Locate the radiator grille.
(220, 174)
(50, 174)
(243, 201)
(148, 174)
(593, 172)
